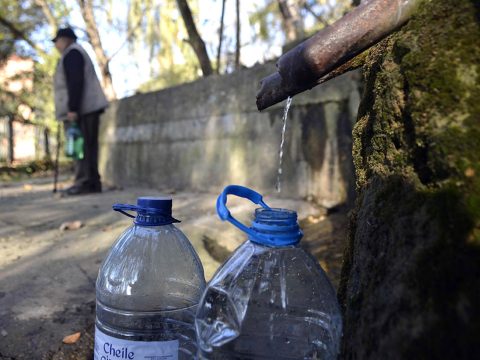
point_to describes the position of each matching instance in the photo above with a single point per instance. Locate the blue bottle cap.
(162, 203)
(151, 211)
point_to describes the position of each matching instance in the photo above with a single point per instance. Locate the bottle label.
(111, 348)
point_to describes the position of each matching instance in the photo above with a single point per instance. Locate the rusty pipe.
(302, 67)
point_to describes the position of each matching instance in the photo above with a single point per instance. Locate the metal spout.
(304, 66)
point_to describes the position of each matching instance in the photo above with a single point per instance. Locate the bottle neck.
(275, 228)
(148, 220)
(152, 229)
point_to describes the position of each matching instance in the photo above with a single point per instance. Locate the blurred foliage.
(159, 27)
(42, 97)
(19, 20)
(33, 169)
(155, 25)
(176, 75)
(267, 19)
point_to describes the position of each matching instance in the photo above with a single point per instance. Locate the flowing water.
(280, 153)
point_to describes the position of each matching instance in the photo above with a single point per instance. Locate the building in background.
(17, 132)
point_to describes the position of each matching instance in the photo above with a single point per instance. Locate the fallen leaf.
(316, 220)
(27, 187)
(71, 225)
(72, 339)
(470, 172)
(324, 265)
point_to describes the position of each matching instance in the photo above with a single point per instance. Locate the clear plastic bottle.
(148, 289)
(271, 299)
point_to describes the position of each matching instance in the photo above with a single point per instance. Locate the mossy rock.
(410, 284)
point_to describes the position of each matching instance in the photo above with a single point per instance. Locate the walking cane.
(57, 155)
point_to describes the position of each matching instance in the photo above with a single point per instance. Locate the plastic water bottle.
(271, 299)
(148, 289)
(74, 142)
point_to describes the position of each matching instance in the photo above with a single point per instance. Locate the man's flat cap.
(65, 32)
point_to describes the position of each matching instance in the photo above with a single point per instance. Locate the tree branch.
(19, 34)
(317, 17)
(237, 35)
(220, 36)
(195, 39)
(52, 21)
(86, 7)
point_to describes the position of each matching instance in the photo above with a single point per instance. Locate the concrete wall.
(204, 135)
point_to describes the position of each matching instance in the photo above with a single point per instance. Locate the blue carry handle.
(243, 192)
(123, 208)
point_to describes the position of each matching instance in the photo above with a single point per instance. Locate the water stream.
(280, 153)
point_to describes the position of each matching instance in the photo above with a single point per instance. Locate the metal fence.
(22, 142)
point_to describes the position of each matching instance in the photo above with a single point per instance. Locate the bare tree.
(86, 7)
(220, 35)
(291, 19)
(238, 44)
(194, 38)
(47, 12)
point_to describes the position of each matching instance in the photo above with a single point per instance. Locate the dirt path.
(47, 276)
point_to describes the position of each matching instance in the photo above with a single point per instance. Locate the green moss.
(426, 102)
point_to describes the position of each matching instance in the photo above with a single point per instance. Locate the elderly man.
(79, 98)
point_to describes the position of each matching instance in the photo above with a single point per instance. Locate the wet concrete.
(47, 276)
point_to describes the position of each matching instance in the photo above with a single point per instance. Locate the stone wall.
(204, 135)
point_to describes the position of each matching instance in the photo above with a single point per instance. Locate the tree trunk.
(11, 142)
(291, 19)
(220, 35)
(86, 8)
(411, 276)
(46, 144)
(238, 43)
(194, 38)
